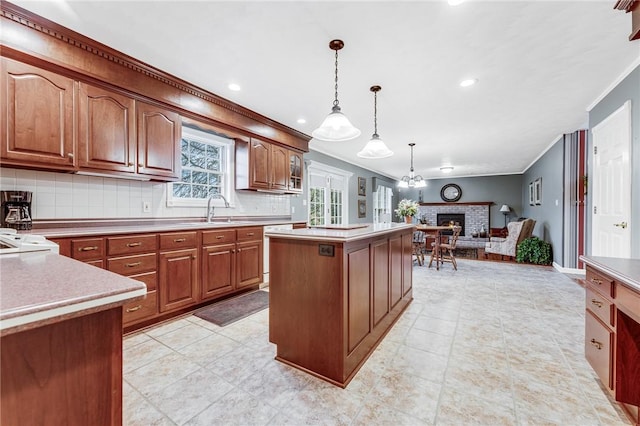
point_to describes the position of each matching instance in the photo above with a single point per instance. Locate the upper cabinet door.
(106, 138)
(260, 167)
(295, 171)
(159, 131)
(37, 117)
(279, 167)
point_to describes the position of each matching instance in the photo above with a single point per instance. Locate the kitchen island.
(335, 293)
(61, 340)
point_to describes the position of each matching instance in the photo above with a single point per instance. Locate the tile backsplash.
(71, 196)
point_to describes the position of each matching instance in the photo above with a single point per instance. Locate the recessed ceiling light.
(446, 169)
(455, 2)
(301, 120)
(468, 82)
(235, 87)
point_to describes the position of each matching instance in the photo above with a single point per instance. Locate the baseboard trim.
(574, 271)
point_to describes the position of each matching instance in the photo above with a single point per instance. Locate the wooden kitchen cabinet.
(231, 260)
(178, 283)
(261, 166)
(159, 131)
(37, 117)
(295, 172)
(612, 328)
(107, 130)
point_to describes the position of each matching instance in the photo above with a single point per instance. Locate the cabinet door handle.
(233, 251)
(134, 244)
(597, 344)
(250, 234)
(132, 265)
(239, 250)
(596, 302)
(88, 248)
(131, 163)
(70, 155)
(193, 257)
(135, 308)
(179, 240)
(596, 281)
(219, 237)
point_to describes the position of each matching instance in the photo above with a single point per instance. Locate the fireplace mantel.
(470, 203)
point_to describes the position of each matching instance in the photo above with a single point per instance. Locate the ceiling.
(539, 65)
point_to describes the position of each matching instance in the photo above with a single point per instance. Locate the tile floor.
(491, 344)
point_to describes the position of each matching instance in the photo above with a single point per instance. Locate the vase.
(408, 219)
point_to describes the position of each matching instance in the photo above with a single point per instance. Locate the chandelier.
(412, 181)
(336, 127)
(375, 148)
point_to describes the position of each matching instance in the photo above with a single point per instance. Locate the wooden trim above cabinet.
(30, 38)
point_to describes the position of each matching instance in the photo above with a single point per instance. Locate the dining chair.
(419, 246)
(446, 251)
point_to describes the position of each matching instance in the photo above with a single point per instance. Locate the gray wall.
(628, 89)
(548, 215)
(504, 189)
(300, 207)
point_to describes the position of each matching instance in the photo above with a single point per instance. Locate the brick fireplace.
(476, 214)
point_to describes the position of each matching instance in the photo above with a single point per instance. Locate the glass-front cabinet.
(295, 172)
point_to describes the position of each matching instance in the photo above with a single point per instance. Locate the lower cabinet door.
(249, 262)
(218, 270)
(178, 279)
(597, 348)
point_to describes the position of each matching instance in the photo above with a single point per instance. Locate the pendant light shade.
(412, 181)
(336, 127)
(375, 148)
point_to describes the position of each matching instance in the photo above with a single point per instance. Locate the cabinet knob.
(239, 250)
(131, 163)
(193, 257)
(140, 165)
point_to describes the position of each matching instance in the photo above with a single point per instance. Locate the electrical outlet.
(146, 207)
(293, 209)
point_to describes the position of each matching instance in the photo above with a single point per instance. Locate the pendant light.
(412, 181)
(375, 148)
(336, 127)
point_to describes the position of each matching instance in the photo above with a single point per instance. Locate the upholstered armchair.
(518, 231)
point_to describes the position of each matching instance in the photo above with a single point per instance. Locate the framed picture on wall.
(532, 201)
(362, 186)
(537, 191)
(362, 208)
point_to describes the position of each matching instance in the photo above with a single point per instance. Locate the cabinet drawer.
(597, 348)
(218, 237)
(140, 309)
(97, 263)
(628, 301)
(131, 244)
(249, 234)
(600, 282)
(87, 249)
(600, 306)
(131, 265)
(149, 278)
(177, 240)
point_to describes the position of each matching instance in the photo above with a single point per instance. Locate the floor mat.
(231, 310)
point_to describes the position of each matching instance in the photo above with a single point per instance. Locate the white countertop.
(40, 288)
(625, 271)
(340, 235)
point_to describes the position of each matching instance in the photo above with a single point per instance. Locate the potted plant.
(534, 250)
(407, 209)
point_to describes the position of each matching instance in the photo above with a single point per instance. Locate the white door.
(611, 185)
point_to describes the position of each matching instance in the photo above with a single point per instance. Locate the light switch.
(556, 202)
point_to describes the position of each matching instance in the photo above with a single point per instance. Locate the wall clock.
(450, 192)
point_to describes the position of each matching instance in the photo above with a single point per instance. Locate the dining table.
(434, 231)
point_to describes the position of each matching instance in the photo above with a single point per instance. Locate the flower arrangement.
(406, 208)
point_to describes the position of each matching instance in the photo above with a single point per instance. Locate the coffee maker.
(16, 209)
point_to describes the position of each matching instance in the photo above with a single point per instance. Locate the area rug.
(231, 310)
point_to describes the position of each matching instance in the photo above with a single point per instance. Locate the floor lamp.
(505, 211)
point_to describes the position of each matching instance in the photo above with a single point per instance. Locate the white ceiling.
(540, 64)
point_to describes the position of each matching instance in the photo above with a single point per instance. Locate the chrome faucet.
(211, 209)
